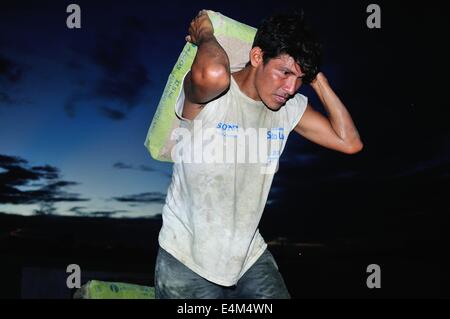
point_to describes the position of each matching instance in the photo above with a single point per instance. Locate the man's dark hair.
(288, 34)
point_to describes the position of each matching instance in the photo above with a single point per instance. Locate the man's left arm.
(337, 132)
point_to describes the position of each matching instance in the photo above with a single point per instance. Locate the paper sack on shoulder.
(236, 38)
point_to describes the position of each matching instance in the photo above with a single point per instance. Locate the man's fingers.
(197, 24)
(201, 12)
(199, 16)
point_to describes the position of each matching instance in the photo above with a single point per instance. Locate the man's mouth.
(280, 99)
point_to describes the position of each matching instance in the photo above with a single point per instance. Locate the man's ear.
(256, 56)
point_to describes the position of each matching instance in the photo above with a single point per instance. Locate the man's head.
(285, 54)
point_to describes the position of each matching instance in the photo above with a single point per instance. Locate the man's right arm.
(210, 73)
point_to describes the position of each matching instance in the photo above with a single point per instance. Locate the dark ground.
(35, 251)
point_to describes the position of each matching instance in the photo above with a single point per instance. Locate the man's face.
(278, 81)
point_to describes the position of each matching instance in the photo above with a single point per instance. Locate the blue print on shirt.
(228, 129)
(276, 133)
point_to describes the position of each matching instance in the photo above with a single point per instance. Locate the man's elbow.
(217, 76)
(354, 148)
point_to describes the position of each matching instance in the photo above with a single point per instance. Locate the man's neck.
(245, 79)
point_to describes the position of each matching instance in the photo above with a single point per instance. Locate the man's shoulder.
(298, 100)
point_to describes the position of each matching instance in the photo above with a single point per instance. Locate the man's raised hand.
(200, 28)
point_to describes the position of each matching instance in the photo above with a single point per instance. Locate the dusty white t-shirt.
(214, 203)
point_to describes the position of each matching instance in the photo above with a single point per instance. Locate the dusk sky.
(76, 104)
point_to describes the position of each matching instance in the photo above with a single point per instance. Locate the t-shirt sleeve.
(180, 103)
(295, 108)
(208, 112)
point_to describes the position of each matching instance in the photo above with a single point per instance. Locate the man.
(210, 246)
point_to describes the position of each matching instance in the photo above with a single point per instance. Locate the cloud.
(76, 208)
(45, 181)
(10, 70)
(104, 213)
(59, 184)
(10, 74)
(49, 172)
(15, 175)
(121, 165)
(11, 160)
(71, 103)
(144, 198)
(5, 98)
(123, 76)
(144, 168)
(123, 85)
(112, 114)
(80, 211)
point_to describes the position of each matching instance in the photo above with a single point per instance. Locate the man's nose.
(290, 86)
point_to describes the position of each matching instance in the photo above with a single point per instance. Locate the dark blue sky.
(75, 105)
